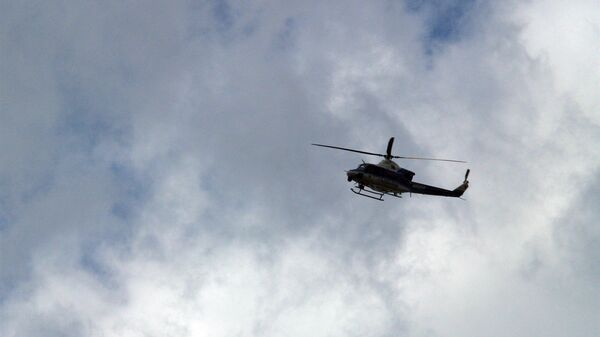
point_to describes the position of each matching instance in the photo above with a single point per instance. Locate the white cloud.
(158, 180)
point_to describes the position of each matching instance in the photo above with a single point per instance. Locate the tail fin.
(463, 187)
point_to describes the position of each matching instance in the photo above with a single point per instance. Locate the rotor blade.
(351, 150)
(383, 155)
(389, 147)
(419, 158)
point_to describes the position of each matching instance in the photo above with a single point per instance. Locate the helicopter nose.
(353, 175)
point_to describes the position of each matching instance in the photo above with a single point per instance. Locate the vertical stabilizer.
(463, 187)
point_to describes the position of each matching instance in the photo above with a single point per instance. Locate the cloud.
(157, 177)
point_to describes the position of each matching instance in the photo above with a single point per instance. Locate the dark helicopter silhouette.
(387, 177)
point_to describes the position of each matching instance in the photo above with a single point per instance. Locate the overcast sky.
(157, 178)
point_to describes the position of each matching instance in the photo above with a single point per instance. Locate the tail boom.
(419, 188)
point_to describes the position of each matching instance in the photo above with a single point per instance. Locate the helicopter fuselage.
(388, 178)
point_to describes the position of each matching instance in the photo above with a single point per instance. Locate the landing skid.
(371, 194)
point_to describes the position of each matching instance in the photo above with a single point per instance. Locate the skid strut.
(367, 193)
(372, 194)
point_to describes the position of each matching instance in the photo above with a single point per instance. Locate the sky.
(157, 178)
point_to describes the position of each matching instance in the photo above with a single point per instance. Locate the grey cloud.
(577, 235)
(166, 184)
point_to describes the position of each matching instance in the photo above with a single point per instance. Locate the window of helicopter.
(371, 168)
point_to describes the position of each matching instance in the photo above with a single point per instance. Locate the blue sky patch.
(223, 14)
(446, 21)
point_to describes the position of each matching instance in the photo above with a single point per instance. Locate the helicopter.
(388, 178)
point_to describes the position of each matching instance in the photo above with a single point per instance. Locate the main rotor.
(388, 153)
